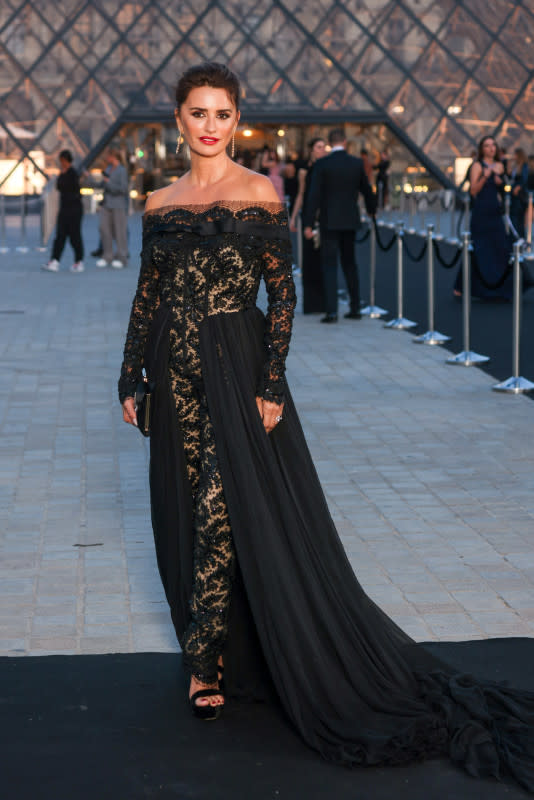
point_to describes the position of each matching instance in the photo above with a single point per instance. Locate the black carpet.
(491, 322)
(119, 726)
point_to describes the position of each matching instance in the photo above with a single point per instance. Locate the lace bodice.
(204, 260)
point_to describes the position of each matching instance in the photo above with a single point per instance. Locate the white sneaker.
(102, 263)
(77, 267)
(117, 264)
(51, 266)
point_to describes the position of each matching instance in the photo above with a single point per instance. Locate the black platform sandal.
(206, 712)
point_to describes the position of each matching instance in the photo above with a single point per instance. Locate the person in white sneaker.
(69, 218)
(114, 213)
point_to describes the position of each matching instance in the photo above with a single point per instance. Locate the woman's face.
(318, 150)
(207, 119)
(489, 149)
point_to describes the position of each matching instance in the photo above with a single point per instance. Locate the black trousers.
(69, 226)
(332, 244)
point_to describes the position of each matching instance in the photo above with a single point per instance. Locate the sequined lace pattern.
(204, 260)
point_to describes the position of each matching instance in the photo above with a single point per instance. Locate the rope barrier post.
(41, 247)
(467, 209)
(23, 247)
(400, 323)
(412, 202)
(372, 311)
(421, 205)
(431, 336)
(3, 246)
(467, 357)
(529, 221)
(452, 239)
(507, 204)
(438, 218)
(516, 384)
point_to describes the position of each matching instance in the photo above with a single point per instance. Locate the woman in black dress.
(491, 278)
(254, 571)
(312, 276)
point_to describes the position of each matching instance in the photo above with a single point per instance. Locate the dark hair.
(480, 151)
(218, 76)
(313, 142)
(67, 155)
(364, 152)
(520, 153)
(336, 136)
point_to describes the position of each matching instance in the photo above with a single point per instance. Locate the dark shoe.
(97, 253)
(352, 315)
(329, 318)
(220, 677)
(206, 712)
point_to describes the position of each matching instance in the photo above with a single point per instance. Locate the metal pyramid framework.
(442, 73)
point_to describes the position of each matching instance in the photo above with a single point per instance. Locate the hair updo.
(218, 76)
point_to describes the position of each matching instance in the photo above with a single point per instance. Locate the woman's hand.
(293, 225)
(271, 413)
(128, 411)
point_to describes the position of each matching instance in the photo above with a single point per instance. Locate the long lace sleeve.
(145, 303)
(277, 274)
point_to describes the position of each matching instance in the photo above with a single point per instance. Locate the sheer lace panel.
(205, 259)
(145, 304)
(277, 273)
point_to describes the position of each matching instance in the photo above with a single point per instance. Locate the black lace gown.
(355, 686)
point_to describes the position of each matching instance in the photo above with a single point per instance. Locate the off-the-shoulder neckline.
(272, 206)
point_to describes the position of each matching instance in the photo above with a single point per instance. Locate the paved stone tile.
(428, 474)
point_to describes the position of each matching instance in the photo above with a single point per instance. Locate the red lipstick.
(208, 140)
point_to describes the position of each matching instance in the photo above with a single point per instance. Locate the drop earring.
(179, 141)
(233, 144)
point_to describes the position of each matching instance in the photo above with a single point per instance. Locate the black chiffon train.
(355, 686)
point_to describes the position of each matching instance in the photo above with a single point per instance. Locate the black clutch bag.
(144, 396)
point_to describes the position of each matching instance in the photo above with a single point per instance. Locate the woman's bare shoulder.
(167, 195)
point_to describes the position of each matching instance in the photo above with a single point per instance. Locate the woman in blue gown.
(491, 277)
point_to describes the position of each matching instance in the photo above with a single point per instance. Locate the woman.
(312, 276)
(491, 278)
(271, 163)
(254, 571)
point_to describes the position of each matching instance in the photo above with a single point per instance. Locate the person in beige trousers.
(114, 213)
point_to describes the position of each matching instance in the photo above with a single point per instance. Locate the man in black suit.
(337, 179)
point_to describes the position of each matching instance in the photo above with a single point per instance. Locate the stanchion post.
(529, 221)
(421, 212)
(438, 216)
(22, 248)
(3, 246)
(453, 239)
(452, 218)
(431, 336)
(467, 210)
(400, 322)
(467, 357)
(412, 202)
(372, 311)
(516, 384)
(507, 204)
(41, 247)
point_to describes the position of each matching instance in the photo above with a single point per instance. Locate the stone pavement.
(428, 473)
